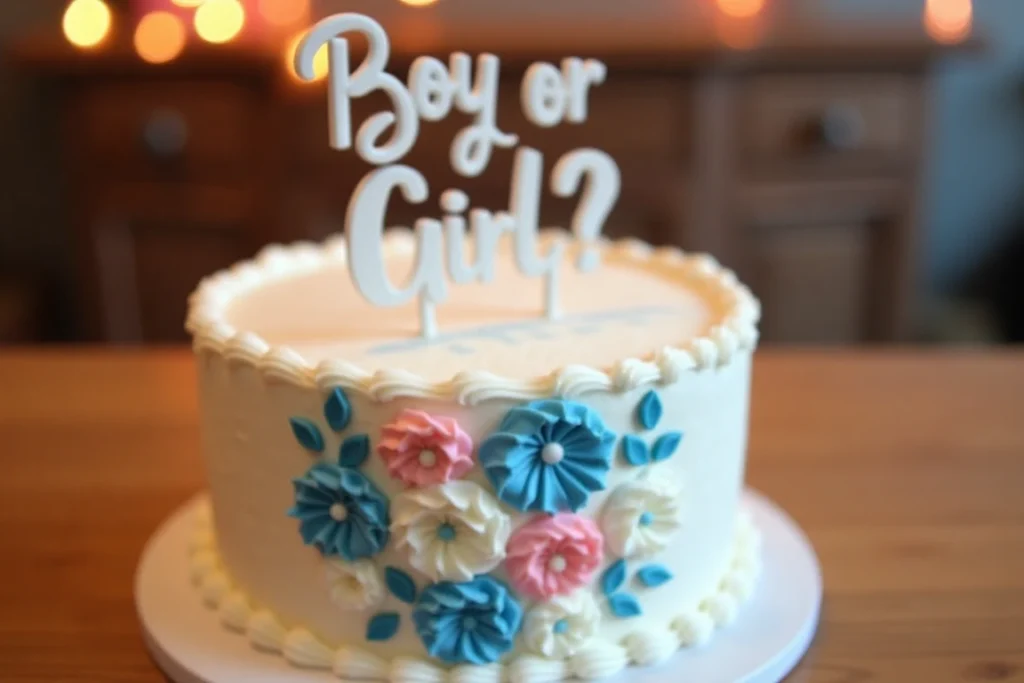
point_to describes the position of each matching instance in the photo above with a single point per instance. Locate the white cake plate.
(770, 635)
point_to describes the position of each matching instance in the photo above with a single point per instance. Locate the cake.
(475, 484)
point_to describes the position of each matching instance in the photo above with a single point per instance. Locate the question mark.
(599, 196)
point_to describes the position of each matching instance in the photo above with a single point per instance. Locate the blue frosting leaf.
(338, 410)
(654, 575)
(634, 450)
(624, 606)
(400, 584)
(383, 626)
(307, 433)
(648, 411)
(354, 451)
(665, 446)
(613, 577)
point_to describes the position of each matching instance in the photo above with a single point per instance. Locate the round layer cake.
(516, 498)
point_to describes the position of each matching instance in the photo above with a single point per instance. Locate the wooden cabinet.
(145, 247)
(796, 164)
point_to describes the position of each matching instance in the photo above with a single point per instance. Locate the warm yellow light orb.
(219, 21)
(320, 59)
(285, 12)
(741, 9)
(87, 22)
(159, 37)
(948, 21)
(418, 3)
(187, 3)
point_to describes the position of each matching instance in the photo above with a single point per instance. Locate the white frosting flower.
(354, 585)
(453, 531)
(560, 627)
(640, 517)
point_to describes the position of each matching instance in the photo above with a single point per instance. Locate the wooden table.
(905, 468)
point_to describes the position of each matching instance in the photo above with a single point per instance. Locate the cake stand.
(772, 632)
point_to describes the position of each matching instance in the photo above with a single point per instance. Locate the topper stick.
(428, 321)
(552, 311)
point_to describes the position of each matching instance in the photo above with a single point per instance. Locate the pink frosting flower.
(422, 450)
(553, 555)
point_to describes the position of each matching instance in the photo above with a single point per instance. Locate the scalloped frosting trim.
(600, 659)
(736, 332)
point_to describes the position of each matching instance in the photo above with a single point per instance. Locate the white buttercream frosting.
(641, 517)
(354, 585)
(588, 659)
(690, 308)
(559, 627)
(452, 531)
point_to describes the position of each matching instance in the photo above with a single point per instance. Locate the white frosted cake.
(475, 484)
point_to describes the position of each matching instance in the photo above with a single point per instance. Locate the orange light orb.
(187, 3)
(285, 12)
(741, 9)
(87, 23)
(219, 21)
(418, 3)
(159, 37)
(320, 59)
(948, 21)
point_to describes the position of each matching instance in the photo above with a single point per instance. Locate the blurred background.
(859, 162)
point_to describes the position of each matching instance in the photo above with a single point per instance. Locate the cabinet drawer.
(147, 130)
(812, 123)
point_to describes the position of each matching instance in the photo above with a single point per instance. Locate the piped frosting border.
(300, 647)
(212, 334)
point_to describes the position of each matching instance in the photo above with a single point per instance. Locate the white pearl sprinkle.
(339, 513)
(557, 564)
(428, 458)
(552, 453)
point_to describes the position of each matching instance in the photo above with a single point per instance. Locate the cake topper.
(550, 95)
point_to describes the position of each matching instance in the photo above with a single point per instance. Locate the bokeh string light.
(87, 23)
(285, 12)
(159, 37)
(219, 21)
(741, 9)
(948, 21)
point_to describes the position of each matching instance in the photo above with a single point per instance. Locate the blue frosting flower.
(474, 622)
(340, 512)
(548, 456)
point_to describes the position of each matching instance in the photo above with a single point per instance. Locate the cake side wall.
(252, 456)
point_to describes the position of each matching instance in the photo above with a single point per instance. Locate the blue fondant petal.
(364, 530)
(584, 477)
(654, 575)
(649, 410)
(665, 446)
(354, 451)
(383, 626)
(624, 606)
(307, 434)
(324, 479)
(613, 577)
(400, 584)
(440, 618)
(511, 457)
(337, 410)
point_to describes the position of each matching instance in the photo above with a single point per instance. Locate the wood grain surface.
(905, 468)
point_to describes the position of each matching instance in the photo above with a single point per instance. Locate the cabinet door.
(813, 282)
(146, 260)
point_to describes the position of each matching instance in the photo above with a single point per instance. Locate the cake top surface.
(300, 303)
